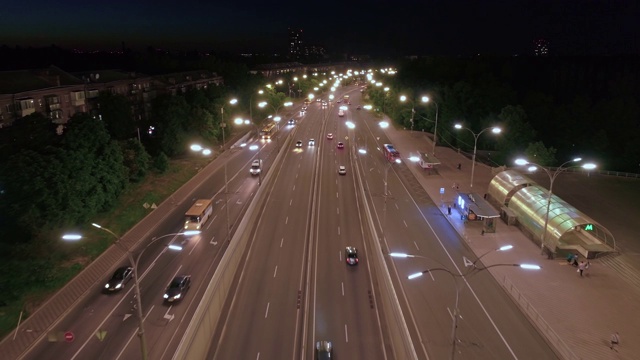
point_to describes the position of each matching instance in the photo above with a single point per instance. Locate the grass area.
(71, 258)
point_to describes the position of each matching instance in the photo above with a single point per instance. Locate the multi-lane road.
(295, 287)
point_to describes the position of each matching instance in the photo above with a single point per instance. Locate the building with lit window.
(541, 47)
(295, 43)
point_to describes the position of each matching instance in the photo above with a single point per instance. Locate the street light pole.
(223, 125)
(474, 269)
(435, 129)
(384, 208)
(552, 179)
(136, 283)
(495, 130)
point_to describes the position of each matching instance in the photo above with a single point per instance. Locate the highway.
(296, 288)
(104, 326)
(490, 324)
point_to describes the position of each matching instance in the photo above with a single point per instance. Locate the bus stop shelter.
(428, 162)
(475, 208)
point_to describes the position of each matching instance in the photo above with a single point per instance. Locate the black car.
(177, 288)
(351, 255)
(292, 121)
(324, 350)
(299, 143)
(120, 277)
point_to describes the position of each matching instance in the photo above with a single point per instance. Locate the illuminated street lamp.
(494, 129)
(471, 271)
(552, 178)
(240, 122)
(134, 264)
(435, 128)
(223, 125)
(423, 99)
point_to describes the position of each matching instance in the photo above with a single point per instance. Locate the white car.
(342, 170)
(312, 142)
(256, 167)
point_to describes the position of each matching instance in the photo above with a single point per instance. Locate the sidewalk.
(576, 315)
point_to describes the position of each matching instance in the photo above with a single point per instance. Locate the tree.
(34, 132)
(115, 111)
(169, 114)
(536, 152)
(517, 132)
(136, 159)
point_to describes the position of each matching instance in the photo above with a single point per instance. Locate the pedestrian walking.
(449, 209)
(615, 340)
(581, 267)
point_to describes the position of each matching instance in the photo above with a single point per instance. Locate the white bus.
(198, 214)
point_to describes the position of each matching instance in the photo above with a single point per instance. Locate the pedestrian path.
(577, 315)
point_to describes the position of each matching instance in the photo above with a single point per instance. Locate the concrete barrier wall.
(196, 341)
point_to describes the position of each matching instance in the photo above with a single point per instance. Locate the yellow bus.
(268, 131)
(198, 214)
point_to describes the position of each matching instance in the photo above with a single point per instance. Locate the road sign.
(441, 190)
(68, 336)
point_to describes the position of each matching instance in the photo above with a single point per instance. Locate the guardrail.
(536, 319)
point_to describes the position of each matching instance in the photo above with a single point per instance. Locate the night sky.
(427, 27)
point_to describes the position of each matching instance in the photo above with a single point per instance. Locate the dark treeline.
(577, 106)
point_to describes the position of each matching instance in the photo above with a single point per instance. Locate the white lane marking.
(281, 241)
(290, 202)
(346, 333)
(193, 248)
(417, 248)
(258, 357)
(286, 221)
(266, 313)
(396, 206)
(338, 211)
(294, 188)
(275, 271)
(135, 334)
(340, 255)
(342, 284)
(405, 223)
(338, 230)
(213, 242)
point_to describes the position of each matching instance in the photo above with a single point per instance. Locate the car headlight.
(118, 286)
(166, 296)
(177, 296)
(106, 286)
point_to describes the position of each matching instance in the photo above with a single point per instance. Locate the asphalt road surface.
(296, 287)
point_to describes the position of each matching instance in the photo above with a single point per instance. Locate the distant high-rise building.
(295, 43)
(541, 47)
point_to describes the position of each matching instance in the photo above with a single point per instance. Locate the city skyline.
(458, 27)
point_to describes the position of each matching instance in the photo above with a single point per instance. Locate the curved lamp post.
(494, 129)
(134, 263)
(435, 128)
(474, 269)
(240, 122)
(223, 125)
(423, 99)
(552, 179)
